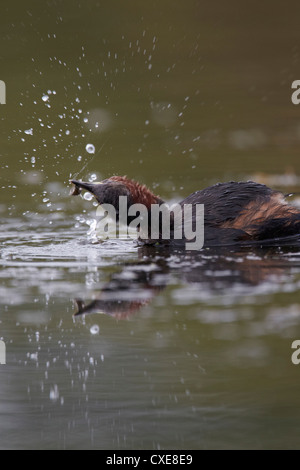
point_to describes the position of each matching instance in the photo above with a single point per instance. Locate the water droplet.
(54, 393)
(88, 196)
(95, 329)
(93, 177)
(34, 356)
(90, 148)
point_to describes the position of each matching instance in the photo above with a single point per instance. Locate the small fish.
(75, 190)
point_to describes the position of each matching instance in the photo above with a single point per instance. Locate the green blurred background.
(179, 94)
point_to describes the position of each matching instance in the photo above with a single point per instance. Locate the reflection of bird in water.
(116, 308)
(126, 292)
(214, 271)
(234, 212)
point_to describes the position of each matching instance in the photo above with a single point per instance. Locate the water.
(114, 346)
(111, 346)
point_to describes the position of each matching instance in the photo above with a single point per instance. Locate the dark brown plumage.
(234, 212)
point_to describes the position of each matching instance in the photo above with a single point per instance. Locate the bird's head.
(109, 190)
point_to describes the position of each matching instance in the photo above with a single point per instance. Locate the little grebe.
(234, 212)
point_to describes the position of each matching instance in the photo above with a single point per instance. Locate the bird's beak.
(79, 185)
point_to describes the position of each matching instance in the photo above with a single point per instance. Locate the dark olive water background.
(192, 351)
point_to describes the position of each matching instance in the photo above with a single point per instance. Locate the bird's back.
(240, 211)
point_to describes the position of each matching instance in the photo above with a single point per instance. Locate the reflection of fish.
(75, 190)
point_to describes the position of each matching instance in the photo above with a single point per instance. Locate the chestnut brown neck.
(140, 193)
